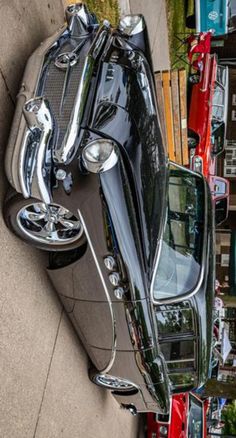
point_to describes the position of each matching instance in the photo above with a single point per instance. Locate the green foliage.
(229, 416)
(105, 9)
(176, 17)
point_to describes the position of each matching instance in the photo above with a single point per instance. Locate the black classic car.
(130, 234)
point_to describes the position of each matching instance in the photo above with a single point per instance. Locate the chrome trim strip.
(114, 339)
(187, 295)
(226, 95)
(24, 190)
(197, 15)
(227, 5)
(63, 154)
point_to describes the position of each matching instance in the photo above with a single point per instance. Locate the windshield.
(179, 264)
(195, 420)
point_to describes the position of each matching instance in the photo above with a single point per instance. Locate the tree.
(229, 417)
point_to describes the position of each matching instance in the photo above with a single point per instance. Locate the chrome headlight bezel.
(107, 160)
(131, 24)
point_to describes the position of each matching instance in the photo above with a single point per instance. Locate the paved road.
(44, 389)
(155, 15)
(154, 12)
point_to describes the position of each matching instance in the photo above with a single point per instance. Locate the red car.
(187, 419)
(207, 118)
(207, 110)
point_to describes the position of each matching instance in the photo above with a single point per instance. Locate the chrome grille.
(52, 80)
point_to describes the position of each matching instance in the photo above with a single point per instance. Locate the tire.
(192, 143)
(15, 209)
(193, 140)
(191, 21)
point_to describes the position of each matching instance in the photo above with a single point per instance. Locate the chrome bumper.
(19, 130)
(51, 103)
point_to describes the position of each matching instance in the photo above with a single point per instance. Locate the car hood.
(125, 110)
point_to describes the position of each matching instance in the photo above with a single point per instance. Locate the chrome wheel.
(111, 382)
(49, 224)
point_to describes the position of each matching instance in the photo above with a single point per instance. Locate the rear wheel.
(47, 226)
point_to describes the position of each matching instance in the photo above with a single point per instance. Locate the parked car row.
(207, 118)
(130, 234)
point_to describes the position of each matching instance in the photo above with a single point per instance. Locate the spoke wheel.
(47, 226)
(112, 382)
(49, 223)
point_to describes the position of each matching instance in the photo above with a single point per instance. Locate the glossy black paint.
(129, 234)
(128, 202)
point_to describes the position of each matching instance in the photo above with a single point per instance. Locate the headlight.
(100, 155)
(163, 430)
(132, 24)
(197, 164)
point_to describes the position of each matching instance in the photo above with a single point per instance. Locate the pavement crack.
(48, 372)
(7, 88)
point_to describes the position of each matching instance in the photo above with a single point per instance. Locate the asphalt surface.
(44, 388)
